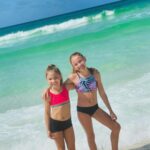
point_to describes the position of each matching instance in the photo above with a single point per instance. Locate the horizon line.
(59, 15)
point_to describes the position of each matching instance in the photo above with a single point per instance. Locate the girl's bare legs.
(70, 138)
(86, 122)
(105, 119)
(59, 140)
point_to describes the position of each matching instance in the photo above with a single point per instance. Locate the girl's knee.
(61, 148)
(71, 148)
(116, 127)
(60, 144)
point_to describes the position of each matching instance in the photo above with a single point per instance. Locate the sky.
(14, 12)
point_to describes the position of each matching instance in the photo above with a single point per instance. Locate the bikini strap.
(78, 75)
(91, 70)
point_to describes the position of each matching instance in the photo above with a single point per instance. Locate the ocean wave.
(9, 39)
(50, 29)
(106, 13)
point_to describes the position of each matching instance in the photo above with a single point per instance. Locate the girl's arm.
(45, 94)
(69, 84)
(47, 114)
(103, 94)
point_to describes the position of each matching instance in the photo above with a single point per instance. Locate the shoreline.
(144, 147)
(141, 146)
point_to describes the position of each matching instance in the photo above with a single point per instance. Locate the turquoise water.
(116, 41)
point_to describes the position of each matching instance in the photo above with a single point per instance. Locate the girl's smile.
(78, 63)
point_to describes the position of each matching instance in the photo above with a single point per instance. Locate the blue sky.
(14, 12)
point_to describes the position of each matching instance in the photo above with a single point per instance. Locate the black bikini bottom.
(56, 125)
(88, 110)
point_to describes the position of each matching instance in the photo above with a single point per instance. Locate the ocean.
(115, 39)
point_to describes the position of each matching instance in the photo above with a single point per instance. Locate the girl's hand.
(113, 116)
(50, 135)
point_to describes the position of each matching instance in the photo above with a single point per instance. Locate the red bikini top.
(57, 99)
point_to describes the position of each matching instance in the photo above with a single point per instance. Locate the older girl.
(87, 82)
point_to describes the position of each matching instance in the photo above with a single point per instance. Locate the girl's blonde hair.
(54, 68)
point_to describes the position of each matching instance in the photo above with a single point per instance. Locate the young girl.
(57, 110)
(87, 82)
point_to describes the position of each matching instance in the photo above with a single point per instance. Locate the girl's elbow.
(103, 95)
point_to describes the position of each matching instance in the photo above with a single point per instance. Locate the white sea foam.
(129, 100)
(9, 39)
(109, 12)
(97, 17)
(48, 29)
(12, 38)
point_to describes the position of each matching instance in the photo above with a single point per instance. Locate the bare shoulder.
(96, 73)
(45, 94)
(72, 76)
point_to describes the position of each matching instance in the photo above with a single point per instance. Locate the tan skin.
(90, 99)
(60, 113)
